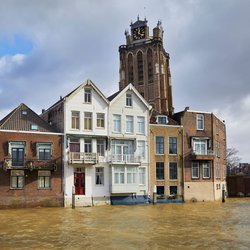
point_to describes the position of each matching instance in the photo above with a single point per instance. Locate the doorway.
(79, 183)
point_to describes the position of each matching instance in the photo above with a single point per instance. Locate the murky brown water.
(163, 226)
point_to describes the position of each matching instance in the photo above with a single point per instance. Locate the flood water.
(209, 225)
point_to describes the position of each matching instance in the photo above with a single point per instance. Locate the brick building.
(204, 154)
(166, 159)
(30, 160)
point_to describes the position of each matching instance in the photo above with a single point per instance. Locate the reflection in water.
(192, 225)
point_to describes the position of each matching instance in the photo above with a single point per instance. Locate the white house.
(129, 147)
(82, 116)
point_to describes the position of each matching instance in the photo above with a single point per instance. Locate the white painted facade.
(129, 143)
(81, 137)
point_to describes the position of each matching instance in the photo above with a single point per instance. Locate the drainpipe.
(183, 168)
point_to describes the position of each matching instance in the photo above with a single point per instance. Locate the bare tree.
(233, 160)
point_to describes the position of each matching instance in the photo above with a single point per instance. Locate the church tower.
(145, 64)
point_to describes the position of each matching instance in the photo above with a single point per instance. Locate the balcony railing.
(80, 157)
(30, 164)
(124, 158)
(207, 155)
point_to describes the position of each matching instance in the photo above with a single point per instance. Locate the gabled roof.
(21, 119)
(86, 83)
(116, 95)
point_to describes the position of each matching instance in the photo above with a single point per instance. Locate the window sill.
(173, 179)
(17, 188)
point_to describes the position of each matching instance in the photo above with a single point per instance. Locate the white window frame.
(17, 177)
(129, 124)
(200, 118)
(200, 143)
(99, 176)
(100, 147)
(141, 124)
(88, 120)
(206, 166)
(87, 95)
(100, 120)
(170, 137)
(141, 149)
(142, 176)
(88, 145)
(131, 174)
(161, 153)
(129, 100)
(44, 177)
(162, 119)
(119, 172)
(163, 170)
(76, 119)
(192, 168)
(116, 123)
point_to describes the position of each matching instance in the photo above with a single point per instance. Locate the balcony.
(30, 164)
(124, 159)
(207, 155)
(83, 158)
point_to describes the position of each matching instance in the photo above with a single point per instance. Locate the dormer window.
(87, 95)
(34, 127)
(162, 119)
(128, 100)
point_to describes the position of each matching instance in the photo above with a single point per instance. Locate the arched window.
(150, 65)
(130, 69)
(140, 67)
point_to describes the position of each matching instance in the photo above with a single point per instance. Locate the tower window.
(150, 65)
(130, 69)
(140, 67)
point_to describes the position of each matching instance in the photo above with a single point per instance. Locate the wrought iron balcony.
(83, 158)
(31, 164)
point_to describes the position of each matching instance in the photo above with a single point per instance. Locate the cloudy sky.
(49, 47)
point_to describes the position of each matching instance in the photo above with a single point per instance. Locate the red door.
(79, 182)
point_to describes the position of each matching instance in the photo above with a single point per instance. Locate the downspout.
(183, 168)
(212, 143)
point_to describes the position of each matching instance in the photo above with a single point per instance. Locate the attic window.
(24, 112)
(34, 127)
(162, 120)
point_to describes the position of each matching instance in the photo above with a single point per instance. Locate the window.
(87, 95)
(117, 123)
(140, 67)
(160, 190)
(130, 68)
(88, 120)
(44, 179)
(162, 120)
(218, 175)
(141, 149)
(44, 151)
(173, 171)
(128, 100)
(34, 127)
(131, 175)
(200, 147)
(195, 170)
(24, 112)
(99, 176)
(17, 156)
(173, 190)
(75, 119)
(100, 120)
(119, 174)
(172, 145)
(141, 124)
(17, 179)
(129, 124)
(100, 147)
(159, 145)
(200, 122)
(150, 65)
(142, 176)
(160, 171)
(87, 146)
(206, 170)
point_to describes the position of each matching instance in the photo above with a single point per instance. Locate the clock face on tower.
(138, 33)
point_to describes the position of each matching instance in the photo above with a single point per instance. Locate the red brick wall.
(31, 195)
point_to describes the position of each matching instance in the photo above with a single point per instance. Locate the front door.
(79, 182)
